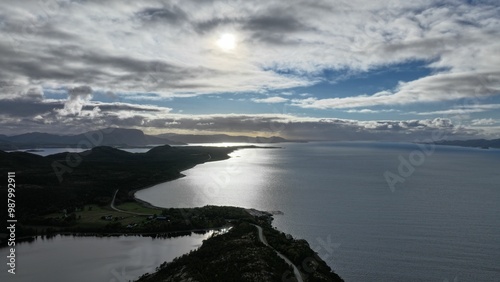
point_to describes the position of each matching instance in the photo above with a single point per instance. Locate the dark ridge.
(218, 138)
(160, 149)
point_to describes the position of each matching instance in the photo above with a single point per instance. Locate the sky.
(309, 70)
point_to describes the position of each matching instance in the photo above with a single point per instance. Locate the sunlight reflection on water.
(243, 176)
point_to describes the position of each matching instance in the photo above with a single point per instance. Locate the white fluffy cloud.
(271, 100)
(462, 110)
(77, 98)
(483, 122)
(370, 111)
(434, 88)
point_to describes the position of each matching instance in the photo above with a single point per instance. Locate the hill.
(104, 137)
(218, 138)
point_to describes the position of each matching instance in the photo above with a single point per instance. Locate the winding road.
(112, 205)
(262, 238)
(296, 271)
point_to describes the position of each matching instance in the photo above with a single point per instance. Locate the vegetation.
(239, 255)
(103, 219)
(137, 208)
(301, 254)
(235, 256)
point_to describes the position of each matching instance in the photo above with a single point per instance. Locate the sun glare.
(227, 42)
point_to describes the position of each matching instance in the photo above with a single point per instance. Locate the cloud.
(483, 122)
(19, 101)
(96, 112)
(462, 110)
(33, 105)
(155, 120)
(369, 111)
(271, 100)
(77, 98)
(274, 26)
(434, 88)
(170, 49)
(172, 15)
(154, 51)
(275, 21)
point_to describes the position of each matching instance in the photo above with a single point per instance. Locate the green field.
(91, 215)
(138, 208)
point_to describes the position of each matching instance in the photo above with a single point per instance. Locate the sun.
(227, 42)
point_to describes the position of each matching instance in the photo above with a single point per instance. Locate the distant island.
(220, 138)
(120, 137)
(91, 193)
(476, 143)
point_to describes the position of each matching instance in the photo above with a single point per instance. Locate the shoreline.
(181, 175)
(251, 211)
(159, 235)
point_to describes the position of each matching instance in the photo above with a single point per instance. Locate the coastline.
(169, 234)
(251, 211)
(131, 193)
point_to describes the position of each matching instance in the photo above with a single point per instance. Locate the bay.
(99, 259)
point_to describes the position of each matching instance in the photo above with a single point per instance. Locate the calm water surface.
(441, 224)
(51, 151)
(96, 259)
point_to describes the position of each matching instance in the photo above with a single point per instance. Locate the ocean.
(372, 211)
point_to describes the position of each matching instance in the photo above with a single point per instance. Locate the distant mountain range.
(119, 137)
(105, 137)
(217, 138)
(478, 143)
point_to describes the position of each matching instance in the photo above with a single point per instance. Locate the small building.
(107, 217)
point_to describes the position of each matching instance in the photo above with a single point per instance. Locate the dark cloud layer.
(22, 107)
